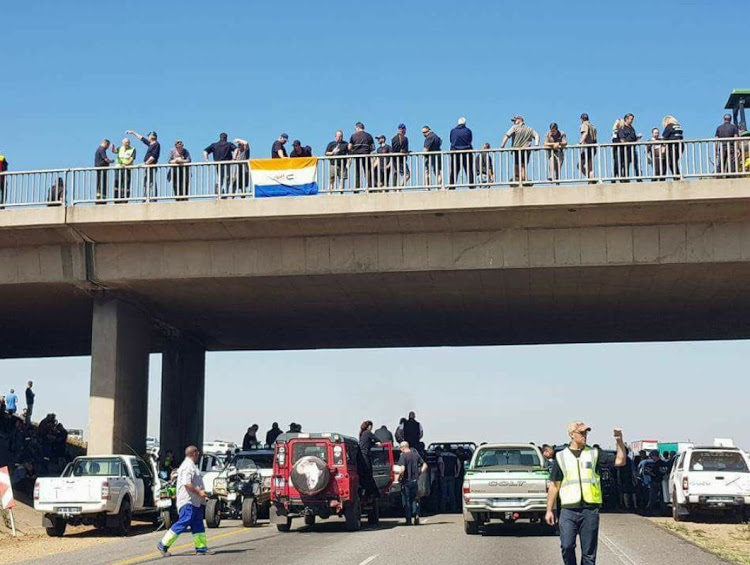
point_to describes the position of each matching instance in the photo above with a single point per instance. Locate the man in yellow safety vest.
(576, 478)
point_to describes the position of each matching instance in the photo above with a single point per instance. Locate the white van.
(219, 446)
(715, 479)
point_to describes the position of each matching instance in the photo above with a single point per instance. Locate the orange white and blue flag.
(284, 177)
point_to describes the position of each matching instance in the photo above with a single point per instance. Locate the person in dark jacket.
(251, 438)
(101, 161)
(361, 143)
(338, 168)
(367, 441)
(673, 133)
(726, 160)
(400, 430)
(627, 134)
(273, 433)
(298, 150)
(461, 140)
(413, 431)
(432, 163)
(383, 434)
(400, 146)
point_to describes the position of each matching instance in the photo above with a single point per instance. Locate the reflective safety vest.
(580, 481)
(125, 155)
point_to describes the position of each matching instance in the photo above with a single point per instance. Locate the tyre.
(166, 518)
(353, 515)
(249, 513)
(679, 513)
(310, 475)
(124, 519)
(309, 519)
(373, 515)
(57, 530)
(213, 513)
(471, 528)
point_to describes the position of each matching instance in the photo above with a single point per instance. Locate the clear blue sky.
(76, 72)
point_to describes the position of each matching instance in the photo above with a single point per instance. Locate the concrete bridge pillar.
(183, 377)
(120, 345)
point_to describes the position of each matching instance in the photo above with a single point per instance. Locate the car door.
(675, 479)
(382, 466)
(139, 485)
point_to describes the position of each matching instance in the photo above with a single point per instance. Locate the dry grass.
(731, 542)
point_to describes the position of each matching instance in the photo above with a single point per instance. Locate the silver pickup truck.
(505, 481)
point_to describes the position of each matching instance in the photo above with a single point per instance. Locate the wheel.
(679, 513)
(57, 530)
(124, 518)
(471, 528)
(353, 515)
(249, 513)
(166, 518)
(285, 527)
(309, 519)
(213, 513)
(283, 523)
(373, 516)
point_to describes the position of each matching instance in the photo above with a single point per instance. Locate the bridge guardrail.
(446, 170)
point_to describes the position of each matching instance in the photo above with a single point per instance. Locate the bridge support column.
(120, 346)
(183, 377)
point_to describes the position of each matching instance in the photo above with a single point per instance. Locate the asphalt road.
(624, 539)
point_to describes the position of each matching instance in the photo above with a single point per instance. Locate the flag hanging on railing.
(284, 177)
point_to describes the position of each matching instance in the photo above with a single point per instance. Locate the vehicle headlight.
(220, 485)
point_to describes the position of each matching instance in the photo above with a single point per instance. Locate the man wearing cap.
(338, 172)
(222, 151)
(461, 139)
(400, 146)
(298, 150)
(522, 136)
(150, 158)
(382, 165)
(278, 151)
(576, 478)
(361, 143)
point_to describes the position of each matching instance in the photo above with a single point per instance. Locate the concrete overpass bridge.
(591, 263)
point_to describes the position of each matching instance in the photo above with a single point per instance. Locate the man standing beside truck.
(576, 478)
(190, 498)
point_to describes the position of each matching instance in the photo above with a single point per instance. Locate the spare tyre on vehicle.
(310, 475)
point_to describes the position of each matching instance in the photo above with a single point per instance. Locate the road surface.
(624, 540)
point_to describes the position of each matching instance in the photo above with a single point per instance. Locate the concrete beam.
(118, 407)
(183, 375)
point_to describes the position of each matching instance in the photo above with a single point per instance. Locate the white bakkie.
(505, 481)
(107, 491)
(714, 479)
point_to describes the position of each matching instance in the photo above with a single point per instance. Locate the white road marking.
(368, 560)
(617, 550)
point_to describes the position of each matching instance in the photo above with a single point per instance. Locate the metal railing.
(446, 170)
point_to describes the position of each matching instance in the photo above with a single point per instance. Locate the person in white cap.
(576, 478)
(461, 141)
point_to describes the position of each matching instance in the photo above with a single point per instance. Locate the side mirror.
(466, 465)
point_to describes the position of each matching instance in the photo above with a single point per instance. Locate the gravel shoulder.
(730, 542)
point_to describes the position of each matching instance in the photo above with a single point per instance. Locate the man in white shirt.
(190, 498)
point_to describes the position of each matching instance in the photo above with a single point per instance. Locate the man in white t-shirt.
(190, 498)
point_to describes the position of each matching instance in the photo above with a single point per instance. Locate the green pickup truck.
(507, 482)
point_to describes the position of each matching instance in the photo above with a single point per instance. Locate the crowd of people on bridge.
(390, 166)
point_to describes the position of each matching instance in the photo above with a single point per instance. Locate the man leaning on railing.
(3, 168)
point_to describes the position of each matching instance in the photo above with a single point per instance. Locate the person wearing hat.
(461, 140)
(382, 165)
(576, 478)
(400, 146)
(361, 143)
(299, 151)
(278, 151)
(150, 158)
(522, 137)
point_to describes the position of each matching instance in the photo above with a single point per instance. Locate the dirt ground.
(729, 541)
(32, 541)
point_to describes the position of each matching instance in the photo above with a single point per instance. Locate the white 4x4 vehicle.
(715, 479)
(106, 491)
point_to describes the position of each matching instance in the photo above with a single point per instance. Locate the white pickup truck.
(710, 479)
(106, 491)
(505, 481)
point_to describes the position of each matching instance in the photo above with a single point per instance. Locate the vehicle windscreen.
(303, 449)
(97, 468)
(731, 461)
(512, 457)
(263, 460)
(244, 463)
